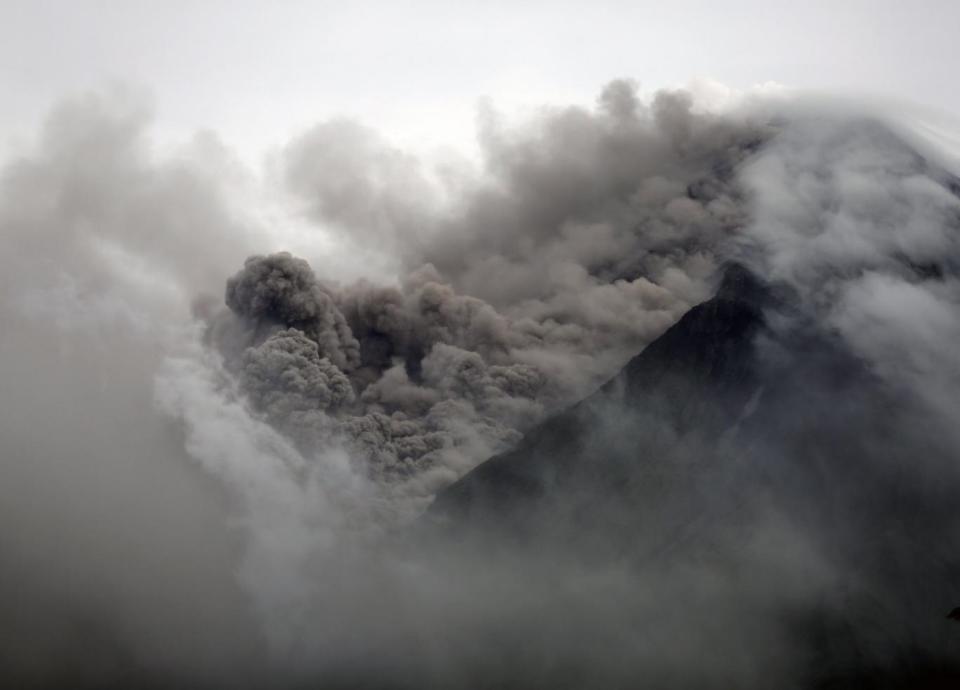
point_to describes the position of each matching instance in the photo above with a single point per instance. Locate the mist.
(232, 397)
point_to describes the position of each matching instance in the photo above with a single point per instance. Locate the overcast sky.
(259, 71)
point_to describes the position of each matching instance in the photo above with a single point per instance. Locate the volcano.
(745, 413)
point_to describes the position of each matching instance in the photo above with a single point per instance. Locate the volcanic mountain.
(747, 414)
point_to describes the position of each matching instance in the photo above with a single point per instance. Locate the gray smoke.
(116, 564)
(282, 289)
(286, 375)
(212, 491)
(588, 235)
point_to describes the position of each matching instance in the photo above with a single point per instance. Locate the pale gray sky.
(259, 71)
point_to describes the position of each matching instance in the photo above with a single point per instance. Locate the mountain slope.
(695, 380)
(748, 439)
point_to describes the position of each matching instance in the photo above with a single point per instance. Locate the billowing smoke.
(236, 485)
(283, 289)
(589, 234)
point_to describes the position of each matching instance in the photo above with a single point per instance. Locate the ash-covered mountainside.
(751, 443)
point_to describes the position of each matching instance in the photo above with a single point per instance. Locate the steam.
(329, 411)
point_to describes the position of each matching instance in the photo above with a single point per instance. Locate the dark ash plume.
(286, 374)
(591, 232)
(281, 289)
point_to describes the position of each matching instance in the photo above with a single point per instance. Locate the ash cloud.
(282, 289)
(287, 375)
(240, 484)
(587, 235)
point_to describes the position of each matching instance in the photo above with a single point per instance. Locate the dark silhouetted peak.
(740, 283)
(706, 355)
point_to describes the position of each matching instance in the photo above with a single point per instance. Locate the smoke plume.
(217, 453)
